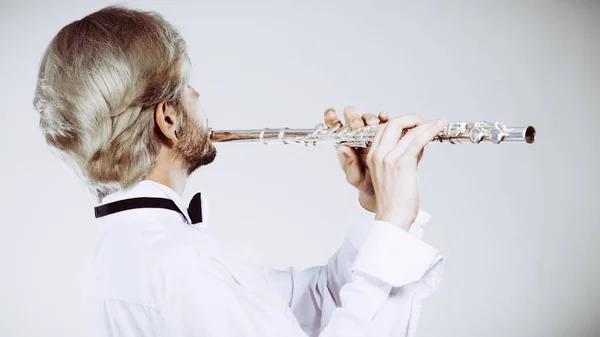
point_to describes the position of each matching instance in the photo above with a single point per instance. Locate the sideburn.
(193, 148)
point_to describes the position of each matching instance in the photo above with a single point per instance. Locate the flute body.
(453, 132)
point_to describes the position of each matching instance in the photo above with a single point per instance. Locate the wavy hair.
(99, 81)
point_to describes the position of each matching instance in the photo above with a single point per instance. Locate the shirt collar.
(150, 188)
(171, 195)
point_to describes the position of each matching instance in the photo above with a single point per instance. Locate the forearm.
(386, 255)
(393, 262)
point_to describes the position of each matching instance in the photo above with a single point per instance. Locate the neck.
(168, 172)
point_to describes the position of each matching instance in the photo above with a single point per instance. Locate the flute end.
(530, 135)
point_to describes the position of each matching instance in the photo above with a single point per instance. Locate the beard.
(194, 148)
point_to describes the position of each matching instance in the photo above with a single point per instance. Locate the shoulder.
(134, 259)
(190, 254)
(188, 276)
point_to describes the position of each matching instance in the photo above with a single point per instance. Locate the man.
(114, 101)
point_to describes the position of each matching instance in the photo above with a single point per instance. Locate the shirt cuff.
(361, 228)
(394, 256)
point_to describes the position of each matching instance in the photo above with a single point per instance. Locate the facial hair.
(194, 149)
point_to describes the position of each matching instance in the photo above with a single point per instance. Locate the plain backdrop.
(517, 224)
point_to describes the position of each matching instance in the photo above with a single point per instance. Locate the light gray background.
(516, 223)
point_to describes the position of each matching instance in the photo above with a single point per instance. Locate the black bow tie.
(194, 210)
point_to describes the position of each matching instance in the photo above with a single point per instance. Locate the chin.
(205, 159)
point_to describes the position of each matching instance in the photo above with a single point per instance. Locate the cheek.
(193, 110)
(200, 114)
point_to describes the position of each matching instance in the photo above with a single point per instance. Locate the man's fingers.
(383, 117)
(421, 140)
(370, 119)
(408, 138)
(410, 148)
(352, 117)
(420, 156)
(331, 118)
(376, 140)
(393, 131)
(350, 163)
(412, 133)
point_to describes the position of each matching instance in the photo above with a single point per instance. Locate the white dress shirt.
(156, 275)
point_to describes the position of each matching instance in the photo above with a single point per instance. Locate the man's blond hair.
(99, 82)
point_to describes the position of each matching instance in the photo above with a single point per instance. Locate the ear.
(166, 120)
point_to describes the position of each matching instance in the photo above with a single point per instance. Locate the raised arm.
(375, 258)
(391, 256)
(209, 303)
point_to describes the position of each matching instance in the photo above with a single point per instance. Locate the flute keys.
(476, 135)
(496, 136)
(454, 133)
(454, 129)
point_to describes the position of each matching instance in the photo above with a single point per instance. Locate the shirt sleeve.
(376, 258)
(204, 303)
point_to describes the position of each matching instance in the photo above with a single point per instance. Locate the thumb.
(348, 159)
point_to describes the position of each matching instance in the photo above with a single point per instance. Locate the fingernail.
(441, 122)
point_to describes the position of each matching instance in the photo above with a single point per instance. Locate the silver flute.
(453, 132)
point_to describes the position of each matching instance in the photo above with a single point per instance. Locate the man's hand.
(393, 161)
(354, 161)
